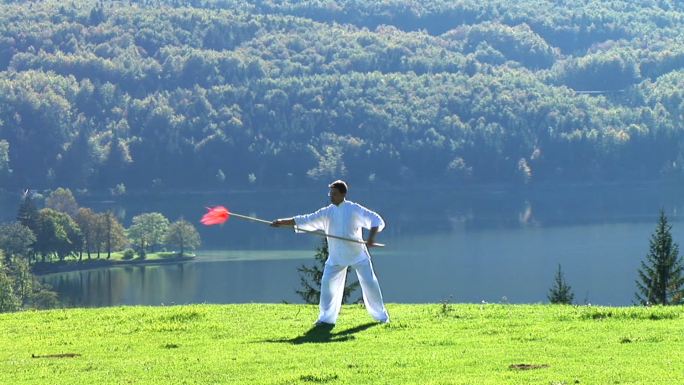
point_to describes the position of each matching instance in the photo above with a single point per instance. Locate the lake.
(483, 243)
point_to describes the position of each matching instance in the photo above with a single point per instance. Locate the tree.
(661, 277)
(77, 162)
(62, 200)
(560, 292)
(5, 169)
(180, 100)
(183, 235)
(97, 14)
(22, 280)
(114, 234)
(310, 278)
(16, 240)
(44, 298)
(113, 170)
(8, 300)
(57, 234)
(101, 232)
(147, 231)
(18, 288)
(87, 221)
(28, 214)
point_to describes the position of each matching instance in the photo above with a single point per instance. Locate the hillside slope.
(230, 93)
(273, 344)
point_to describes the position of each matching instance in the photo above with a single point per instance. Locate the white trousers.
(332, 288)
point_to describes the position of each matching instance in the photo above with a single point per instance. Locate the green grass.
(273, 344)
(115, 260)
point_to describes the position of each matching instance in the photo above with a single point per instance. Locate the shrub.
(128, 254)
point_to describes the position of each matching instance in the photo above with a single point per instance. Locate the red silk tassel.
(215, 216)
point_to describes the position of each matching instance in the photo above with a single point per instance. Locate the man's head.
(338, 190)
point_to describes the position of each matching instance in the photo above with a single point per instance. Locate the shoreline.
(44, 268)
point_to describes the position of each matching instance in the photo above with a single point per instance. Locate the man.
(345, 219)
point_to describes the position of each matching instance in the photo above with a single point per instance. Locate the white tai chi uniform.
(345, 220)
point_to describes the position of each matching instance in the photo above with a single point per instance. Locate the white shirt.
(344, 220)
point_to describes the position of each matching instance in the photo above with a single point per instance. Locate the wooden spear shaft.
(316, 232)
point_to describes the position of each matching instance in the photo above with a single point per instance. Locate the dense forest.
(138, 95)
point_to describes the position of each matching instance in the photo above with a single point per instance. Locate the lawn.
(116, 259)
(118, 255)
(275, 344)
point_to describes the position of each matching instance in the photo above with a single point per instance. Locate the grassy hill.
(275, 344)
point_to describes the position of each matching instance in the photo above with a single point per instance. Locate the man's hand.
(371, 237)
(283, 222)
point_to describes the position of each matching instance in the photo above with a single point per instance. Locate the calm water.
(493, 244)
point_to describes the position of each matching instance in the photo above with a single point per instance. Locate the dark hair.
(340, 185)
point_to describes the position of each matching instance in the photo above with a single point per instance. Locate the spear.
(219, 214)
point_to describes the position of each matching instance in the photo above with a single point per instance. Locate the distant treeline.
(214, 94)
(63, 229)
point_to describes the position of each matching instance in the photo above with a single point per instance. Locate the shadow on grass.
(323, 334)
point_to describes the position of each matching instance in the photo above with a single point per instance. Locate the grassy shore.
(116, 259)
(274, 344)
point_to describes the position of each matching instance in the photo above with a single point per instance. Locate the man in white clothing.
(344, 219)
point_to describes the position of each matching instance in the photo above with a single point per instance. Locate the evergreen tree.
(28, 216)
(661, 277)
(310, 278)
(560, 292)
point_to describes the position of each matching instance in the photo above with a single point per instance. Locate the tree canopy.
(213, 93)
(183, 235)
(148, 231)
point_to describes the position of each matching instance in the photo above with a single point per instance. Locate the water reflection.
(197, 282)
(127, 285)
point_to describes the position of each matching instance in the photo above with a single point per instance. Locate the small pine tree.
(560, 292)
(661, 277)
(310, 278)
(28, 216)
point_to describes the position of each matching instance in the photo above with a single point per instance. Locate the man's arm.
(370, 219)
(302, 223)
(371, 236)
(283, 222)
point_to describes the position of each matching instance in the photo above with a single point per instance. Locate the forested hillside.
(222, 94)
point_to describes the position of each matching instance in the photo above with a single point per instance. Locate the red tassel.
(215, 216)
